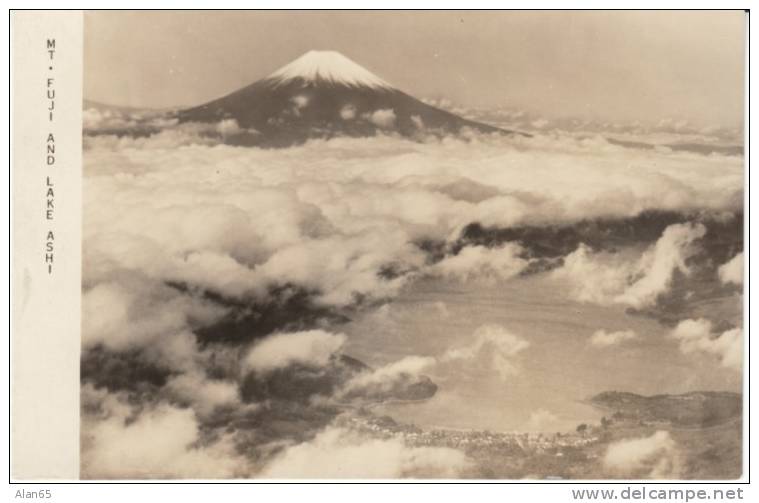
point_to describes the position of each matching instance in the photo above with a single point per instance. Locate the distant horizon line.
(650, 123)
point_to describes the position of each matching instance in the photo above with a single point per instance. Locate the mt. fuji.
(323, 94)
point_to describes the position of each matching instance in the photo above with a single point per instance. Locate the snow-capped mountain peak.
(330, 66)
(323, 94)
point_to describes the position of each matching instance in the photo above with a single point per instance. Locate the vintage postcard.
(461, 245)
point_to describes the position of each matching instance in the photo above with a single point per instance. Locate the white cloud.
(732, 270)
(594, 277)
(443, 103)
(311, 347)
(655, 457)
(156, 442)
(605, 278)
(214, 271)
(384, 118)
(471, 262)
(659, 263)
(602, 338)
(300, 101)
(696, 336)
(100, 119)
(337, 453)
(202, 393)
(493, 343)
(389, 374)
(343, 267)
(228, 127)
(348, 112)
(490, 346)
(130, 313)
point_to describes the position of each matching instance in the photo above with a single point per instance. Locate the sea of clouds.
(184, 234)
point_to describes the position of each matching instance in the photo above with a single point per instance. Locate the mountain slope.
(694, 409)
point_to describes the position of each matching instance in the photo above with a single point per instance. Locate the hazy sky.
(628, 65)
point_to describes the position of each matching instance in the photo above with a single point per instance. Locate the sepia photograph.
(445, 245)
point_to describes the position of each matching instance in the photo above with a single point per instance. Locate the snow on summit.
(330, 66)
